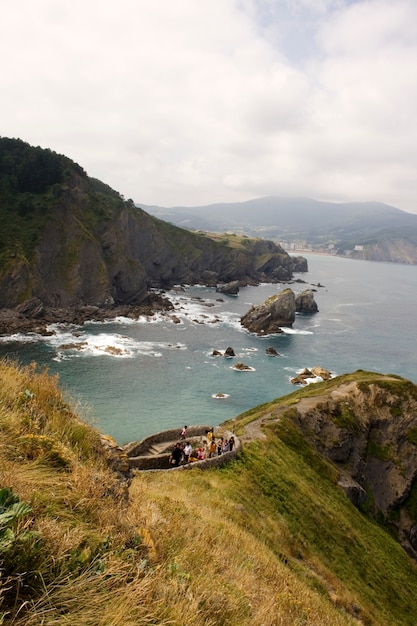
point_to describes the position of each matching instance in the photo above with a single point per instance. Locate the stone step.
(158, 448)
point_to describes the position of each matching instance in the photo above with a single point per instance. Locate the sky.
(193, 102)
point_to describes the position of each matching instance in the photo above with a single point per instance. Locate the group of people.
(183, 452)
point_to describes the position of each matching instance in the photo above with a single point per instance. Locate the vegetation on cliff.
(71, 241)
(270, 539)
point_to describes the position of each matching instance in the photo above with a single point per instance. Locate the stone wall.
(216, 461)
(140, 447)
(139, 459)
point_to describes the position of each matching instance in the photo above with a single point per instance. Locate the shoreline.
(34, 317)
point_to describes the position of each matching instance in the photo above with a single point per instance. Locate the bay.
(131, 379)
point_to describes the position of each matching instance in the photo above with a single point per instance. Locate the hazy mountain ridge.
(385, 232)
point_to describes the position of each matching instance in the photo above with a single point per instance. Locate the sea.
(133, 378)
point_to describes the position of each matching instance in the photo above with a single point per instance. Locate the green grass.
(288, 479)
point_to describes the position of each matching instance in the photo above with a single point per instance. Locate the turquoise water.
(132, 379)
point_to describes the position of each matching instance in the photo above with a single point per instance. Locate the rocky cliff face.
(391, 250)
(369, 430)
(70, 241)
(305, 302)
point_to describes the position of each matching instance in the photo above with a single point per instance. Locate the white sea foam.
(198, 310)
(21, 338)
(296, 331)
(72, 343)
(316, 379)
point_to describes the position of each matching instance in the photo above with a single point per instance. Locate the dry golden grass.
(219, 547)
(214, 569)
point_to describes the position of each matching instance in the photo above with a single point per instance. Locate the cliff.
(70, 241)
(392, 249)
(366, 425)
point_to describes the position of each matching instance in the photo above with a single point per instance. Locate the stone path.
(253, 430)
(152, 453)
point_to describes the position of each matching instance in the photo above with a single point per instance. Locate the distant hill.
(368, 230)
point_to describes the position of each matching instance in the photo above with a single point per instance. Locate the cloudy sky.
(190, 102)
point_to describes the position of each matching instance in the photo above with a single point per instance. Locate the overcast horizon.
(188, 103)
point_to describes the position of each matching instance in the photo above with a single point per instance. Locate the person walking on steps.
(176, 455)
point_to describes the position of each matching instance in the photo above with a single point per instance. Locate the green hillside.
(68, 241)
(34, 183)
(270, 539)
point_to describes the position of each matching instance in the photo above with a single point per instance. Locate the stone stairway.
(152, 453)
(159, 448)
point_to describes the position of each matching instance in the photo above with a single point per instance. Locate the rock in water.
(270, 351)
(305, 302)
(231, 289)
(276, 311)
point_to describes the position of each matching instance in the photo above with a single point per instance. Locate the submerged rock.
(242, 366)
(270, 351)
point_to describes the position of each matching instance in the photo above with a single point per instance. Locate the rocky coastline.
(34, 317)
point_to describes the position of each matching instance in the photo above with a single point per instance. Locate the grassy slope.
(267, 540)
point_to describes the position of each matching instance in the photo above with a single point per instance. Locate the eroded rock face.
(31, 308)
(370, 432)
(231, 289)
(299, 264)
(116, 457)
(269, 317)
(12, 321)
(305, 302)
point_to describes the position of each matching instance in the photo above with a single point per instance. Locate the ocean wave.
(74, 344)
(21, 338)
(199, 310)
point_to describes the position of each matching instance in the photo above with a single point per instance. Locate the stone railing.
(141, 458)
(137, 448)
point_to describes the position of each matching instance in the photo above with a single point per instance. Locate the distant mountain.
(368, 230)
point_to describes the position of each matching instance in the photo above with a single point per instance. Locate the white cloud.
(219, 100)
